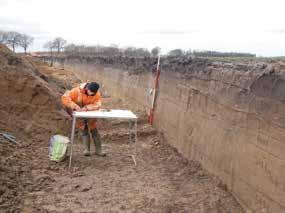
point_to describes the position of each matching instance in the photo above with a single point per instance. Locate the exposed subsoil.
(162, 181)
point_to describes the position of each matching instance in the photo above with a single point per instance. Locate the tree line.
(15, 39)
(112, 50)
(58, 44)
(206, 53)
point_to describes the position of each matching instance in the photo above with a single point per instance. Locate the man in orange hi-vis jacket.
(86, 97)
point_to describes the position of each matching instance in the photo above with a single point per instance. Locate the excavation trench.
(163, 181)
(227, 114)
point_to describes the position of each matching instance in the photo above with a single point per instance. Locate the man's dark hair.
(93, 86)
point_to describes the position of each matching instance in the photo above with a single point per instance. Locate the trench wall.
(232, 121)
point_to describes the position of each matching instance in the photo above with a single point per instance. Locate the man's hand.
(84, 109)
(77, 108)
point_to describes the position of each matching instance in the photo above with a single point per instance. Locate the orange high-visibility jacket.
(77, 96)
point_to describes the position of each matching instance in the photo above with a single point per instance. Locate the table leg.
(135, 143)
(130, 132)
(72, 139)
(136, 136)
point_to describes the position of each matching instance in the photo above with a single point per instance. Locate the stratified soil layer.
(163, 181)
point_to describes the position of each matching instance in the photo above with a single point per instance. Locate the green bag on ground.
(58, 147)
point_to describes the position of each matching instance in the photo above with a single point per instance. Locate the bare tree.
(142, 52)
(189, 53)
(110, 51)
(25, 42)
(129, 51)
(70, 49)
(59, 44)
(3, 37)
(50, 46)
(13, 39)
(155, 51)
(176, 53)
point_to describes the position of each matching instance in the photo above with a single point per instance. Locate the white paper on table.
(122, 114)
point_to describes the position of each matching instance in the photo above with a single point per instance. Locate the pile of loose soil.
(30, 110)
(59, 79)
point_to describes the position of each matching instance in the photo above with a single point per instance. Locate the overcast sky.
(256, 26)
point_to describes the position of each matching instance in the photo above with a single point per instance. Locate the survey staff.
(86, 97)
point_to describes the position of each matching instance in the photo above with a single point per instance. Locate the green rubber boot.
(97, 141)
(86, 142)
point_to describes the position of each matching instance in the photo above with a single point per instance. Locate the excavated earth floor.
(162, 181)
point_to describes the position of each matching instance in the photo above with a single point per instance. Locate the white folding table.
(104, 114)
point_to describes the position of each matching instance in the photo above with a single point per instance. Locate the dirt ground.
(162, 181)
